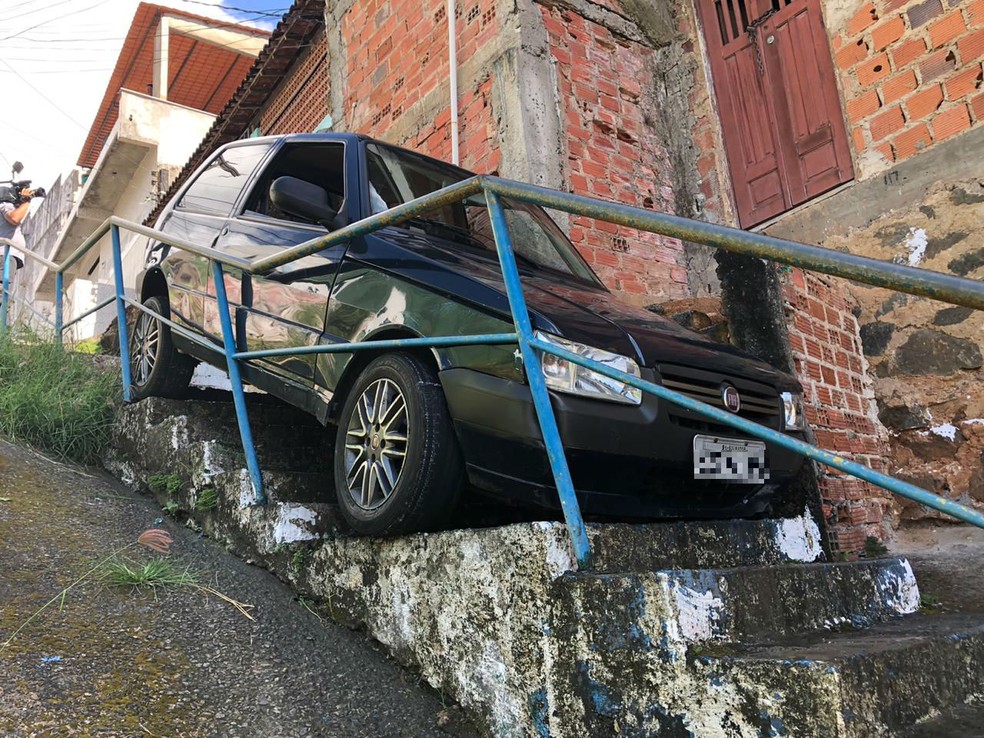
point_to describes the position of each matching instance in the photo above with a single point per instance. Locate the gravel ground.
(175, 662)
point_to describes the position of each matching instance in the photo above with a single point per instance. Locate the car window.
(322, 164)
(397, 176)
(216, 189)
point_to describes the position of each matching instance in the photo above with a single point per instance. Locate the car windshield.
(397, 176)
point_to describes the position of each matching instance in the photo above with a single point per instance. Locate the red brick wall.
(613, 152)
(397, 54)
(823, 336)
(911, 73)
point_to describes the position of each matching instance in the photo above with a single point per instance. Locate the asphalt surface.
(175, 662)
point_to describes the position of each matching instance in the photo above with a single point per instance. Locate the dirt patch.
(178, 663)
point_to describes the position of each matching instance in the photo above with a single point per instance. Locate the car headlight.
(573, 379)
(792, 411)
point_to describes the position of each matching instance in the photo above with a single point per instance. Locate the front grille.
(759, 402)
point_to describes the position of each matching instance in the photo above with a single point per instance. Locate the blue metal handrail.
(902, 278)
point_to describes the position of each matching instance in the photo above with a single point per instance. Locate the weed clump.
(55, 400)
(168, 484)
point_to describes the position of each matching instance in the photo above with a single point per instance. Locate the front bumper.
(634, 461)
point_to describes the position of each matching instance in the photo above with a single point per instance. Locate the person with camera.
(12, 216)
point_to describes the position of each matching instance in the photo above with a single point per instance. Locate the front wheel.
(397, 464)
(156, 367)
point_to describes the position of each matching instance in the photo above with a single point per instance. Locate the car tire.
(397, 466)
(157, 369)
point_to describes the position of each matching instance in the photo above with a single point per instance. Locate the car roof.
(337, 136)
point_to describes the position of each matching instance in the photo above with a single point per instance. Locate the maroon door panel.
(777, 97)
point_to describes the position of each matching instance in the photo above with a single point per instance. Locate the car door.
(199, 216)
(285, 308)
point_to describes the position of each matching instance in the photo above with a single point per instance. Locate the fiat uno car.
(415, 428)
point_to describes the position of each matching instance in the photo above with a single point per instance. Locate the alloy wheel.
(376, 444)
(145, 348)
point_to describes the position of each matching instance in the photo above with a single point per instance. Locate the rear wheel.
(397, 464)
(156, 367)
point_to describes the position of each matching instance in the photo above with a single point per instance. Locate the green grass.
(206, 500)
(164, 483)
(55, 400)
(153, 573)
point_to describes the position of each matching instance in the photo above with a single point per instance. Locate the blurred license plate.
(730, 459)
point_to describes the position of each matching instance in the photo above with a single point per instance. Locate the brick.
(899, 86)
(971, 46)
(908, 51)
(937, 64)
(863, 106)
(851, 54)
(975, 14)
(887, 151)
(951, 122)
(924, 102)
(946, 30)
(859, 143)
(865, 16)
(977, 107)
(873, 70)
(885, 124)
(924, 12)
(887, 32)
(964, 83)
(912, 142)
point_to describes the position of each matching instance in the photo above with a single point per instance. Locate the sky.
(56, 57)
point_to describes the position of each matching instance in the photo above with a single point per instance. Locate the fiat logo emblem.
(731, 398)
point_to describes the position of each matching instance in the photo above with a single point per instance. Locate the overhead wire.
(52, 20)
(9, 18)
(41, 94)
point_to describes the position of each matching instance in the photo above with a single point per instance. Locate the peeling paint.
(916, 243)
(294, 523)
(799, 538)
(899, 589)
(945, 430)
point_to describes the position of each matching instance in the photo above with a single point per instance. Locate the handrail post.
(236, 380)
(59, 308)
(5, 295)
(538, 386)
(120, 313)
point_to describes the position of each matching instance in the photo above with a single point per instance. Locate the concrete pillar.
(161, 39)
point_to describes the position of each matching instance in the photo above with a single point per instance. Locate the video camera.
(11, 189)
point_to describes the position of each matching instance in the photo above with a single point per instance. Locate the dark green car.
(416, 428)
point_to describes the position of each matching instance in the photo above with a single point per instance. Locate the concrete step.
(704, 544)
(965, 721)
(878, 681)
(696, 607)
(882, 681)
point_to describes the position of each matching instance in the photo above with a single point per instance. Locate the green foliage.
(55, 400)
(168, 484)
(298, 560)
(153, 573)
(171, 508)
(928, 601)
(207, 499)
(89, 346)
(873, 547)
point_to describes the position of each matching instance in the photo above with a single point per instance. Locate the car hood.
(597, 318)
(591, 315)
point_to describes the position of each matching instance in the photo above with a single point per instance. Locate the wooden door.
(780, 112)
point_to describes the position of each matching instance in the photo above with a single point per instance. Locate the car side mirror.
(302, 199)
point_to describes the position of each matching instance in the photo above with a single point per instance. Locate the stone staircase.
(730, 628)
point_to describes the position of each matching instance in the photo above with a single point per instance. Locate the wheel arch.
(153, 284)
(361, 359)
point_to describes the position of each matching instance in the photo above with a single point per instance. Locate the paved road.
(113, 662)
